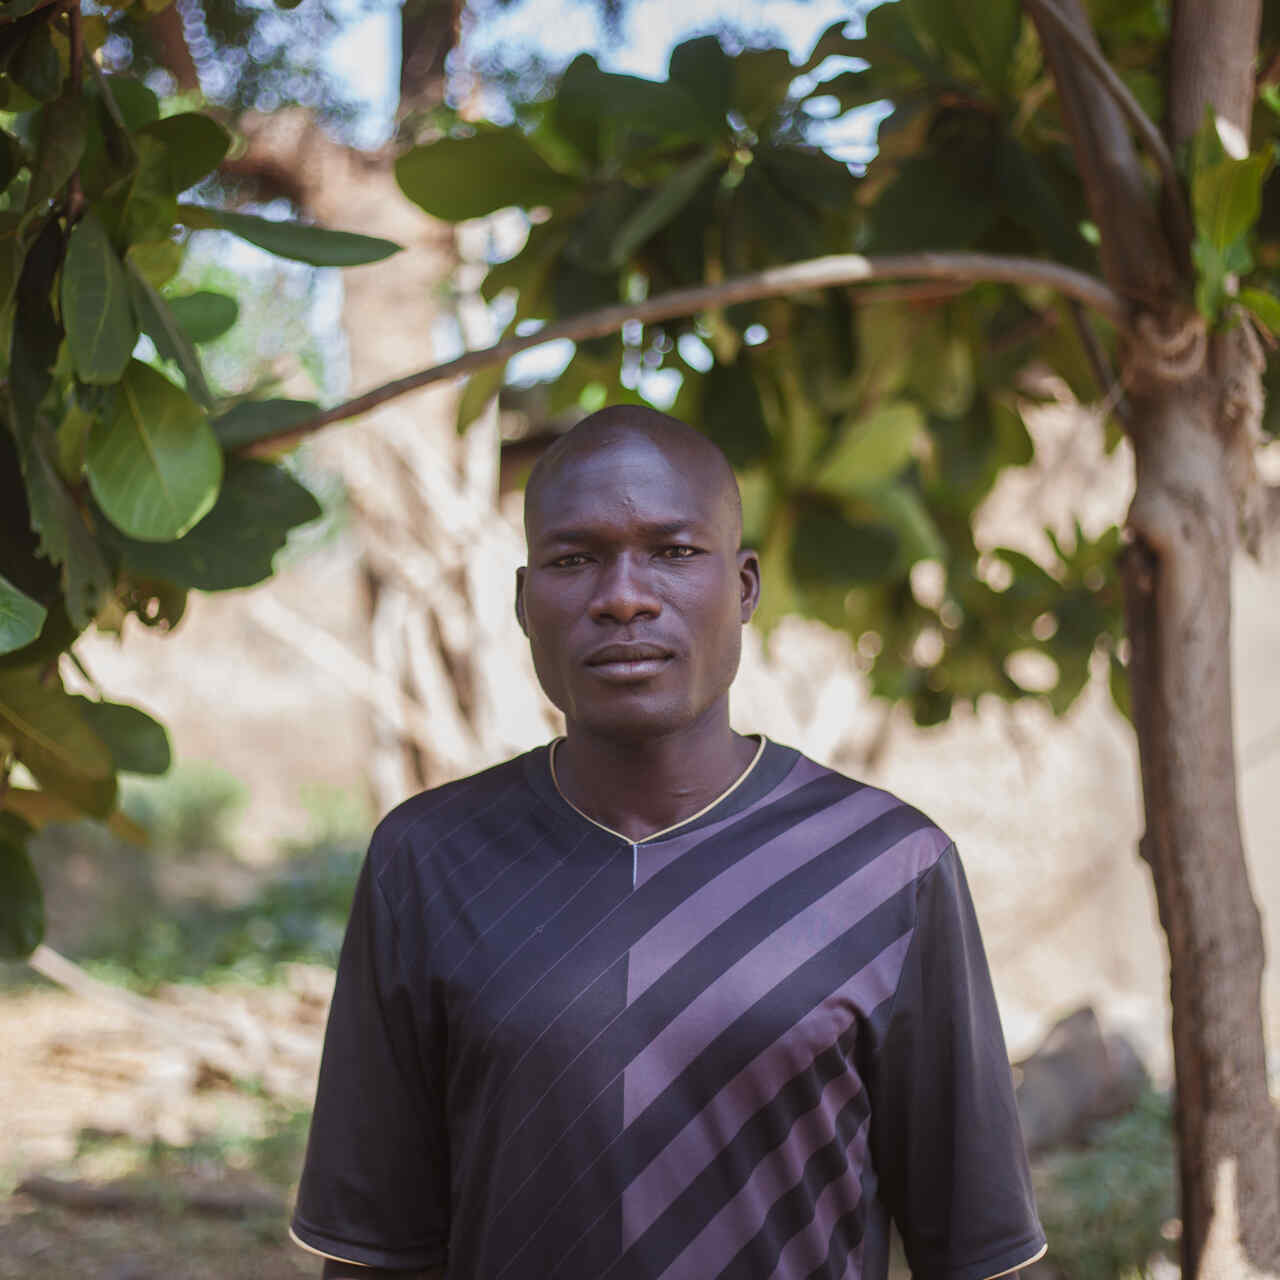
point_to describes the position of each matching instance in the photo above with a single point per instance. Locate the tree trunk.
(1177, 579)
(1193, 433)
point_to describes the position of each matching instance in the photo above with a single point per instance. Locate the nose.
(624, 591)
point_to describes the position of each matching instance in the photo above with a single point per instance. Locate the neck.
(641, 786)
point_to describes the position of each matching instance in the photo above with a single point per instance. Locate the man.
(659, 1000)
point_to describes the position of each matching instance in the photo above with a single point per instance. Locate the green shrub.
(1104, 1207)
(298, 914)
(188, 810)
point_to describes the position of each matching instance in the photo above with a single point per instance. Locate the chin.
(629, 721)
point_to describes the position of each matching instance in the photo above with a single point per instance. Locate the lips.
(625, 662)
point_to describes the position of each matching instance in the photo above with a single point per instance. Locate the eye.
(680, 551)
(570, 561)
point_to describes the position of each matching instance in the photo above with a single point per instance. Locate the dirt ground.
(135, 1110)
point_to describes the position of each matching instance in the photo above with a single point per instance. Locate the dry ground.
(88, 1092)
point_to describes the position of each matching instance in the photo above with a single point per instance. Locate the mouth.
(624, 663)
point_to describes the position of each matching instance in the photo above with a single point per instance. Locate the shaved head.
(678, 442)
(637, 587)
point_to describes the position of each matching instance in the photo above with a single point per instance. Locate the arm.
(374, 1186)
(944, 1129)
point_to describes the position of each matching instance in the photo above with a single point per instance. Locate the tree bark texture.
(1192, 431)
(1133, 249)
(1211, 53)
(422, 500)
(1177, 576)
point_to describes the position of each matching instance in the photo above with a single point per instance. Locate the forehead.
(629, 482)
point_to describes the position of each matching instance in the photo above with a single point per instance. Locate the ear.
(520, 600)
(748, 583)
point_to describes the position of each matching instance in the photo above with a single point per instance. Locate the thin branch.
(1105, 376)
(1142, 123)
(75, 37)
(816, 273)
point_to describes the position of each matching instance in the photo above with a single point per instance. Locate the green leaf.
(732, 414)
(830, 549)
(705, 71)
(156, 466)
(138, 744)
(601, 111)
(1265, 306)
(205, 315)
(253, 420)
(663, 203)
(12, 157)
(459, 178)
(985, 34)
(317, 246)
(156, 260)
(928, 207)
(194, 146)
(65, 539)
(21, 617)
(899, 506)
(1030, 200)
(1226, 189)
(236, 543)
(871, 450)
(19, 8)
(37, 334)
(144, 207)
(1118, 684)
(35, 66)
(52, 739)
(481, 388)
(63, 129)
(761, 78)
(21, 901)
(12, 257)
(135, 103)
(101, 331)
(809, 176)
(160, 324)
(39, 808)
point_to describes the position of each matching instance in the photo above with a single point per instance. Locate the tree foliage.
(867, 429)
(118, 493)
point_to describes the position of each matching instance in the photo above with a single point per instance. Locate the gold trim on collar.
(675, 826)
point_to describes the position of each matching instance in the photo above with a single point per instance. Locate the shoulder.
(879, 827)
(450, 814)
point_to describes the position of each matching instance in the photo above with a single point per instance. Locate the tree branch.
(1141, 258)
(1142, 123)
(816, 273)
(75, 35)
(1112, 391)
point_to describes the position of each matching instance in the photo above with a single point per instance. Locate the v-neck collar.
(767, 767)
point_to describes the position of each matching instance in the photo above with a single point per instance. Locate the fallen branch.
(850, 269)
(218, 1202)
(211, 1046)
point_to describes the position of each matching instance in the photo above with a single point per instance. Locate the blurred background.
(161, 1063)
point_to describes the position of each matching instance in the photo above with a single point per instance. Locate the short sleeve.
(945, 1139)
(375, 1182)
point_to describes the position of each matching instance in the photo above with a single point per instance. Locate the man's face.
(635, 592)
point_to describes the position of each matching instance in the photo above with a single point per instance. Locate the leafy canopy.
(119, 488)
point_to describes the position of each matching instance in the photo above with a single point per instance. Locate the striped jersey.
(738, 1048)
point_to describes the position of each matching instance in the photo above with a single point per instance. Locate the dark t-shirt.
(734, 1049)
